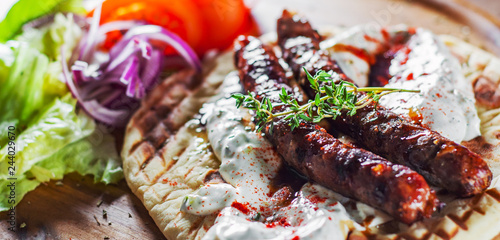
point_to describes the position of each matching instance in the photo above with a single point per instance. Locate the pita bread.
(166, 156)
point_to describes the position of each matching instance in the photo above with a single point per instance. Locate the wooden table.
(74, 209)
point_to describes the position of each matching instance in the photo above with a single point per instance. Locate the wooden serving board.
(73, 208)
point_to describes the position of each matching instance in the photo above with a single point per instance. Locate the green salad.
(68, 83)
(52, 136)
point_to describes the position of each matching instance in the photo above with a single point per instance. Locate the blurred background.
(477, 21)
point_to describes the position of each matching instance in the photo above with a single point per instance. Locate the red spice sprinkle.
(317, 199)
(358, 52)
(282, 222)
(300, 220)
(412, 30)
(296, 238)
(386, 34)
(406, 52)
(240, 206)
(370, 39)
(410, 76)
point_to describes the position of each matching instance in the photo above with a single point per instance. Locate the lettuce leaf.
(20, 93)
(56, 142)
(49, 39)
(26, 10)
(32, 78)
(53, 138)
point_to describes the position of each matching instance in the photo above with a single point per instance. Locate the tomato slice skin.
(203, 24)
(225, 20)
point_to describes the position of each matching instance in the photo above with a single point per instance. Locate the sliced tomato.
(203, 24)
(224, 21)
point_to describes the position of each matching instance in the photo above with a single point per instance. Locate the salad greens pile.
(52, 137)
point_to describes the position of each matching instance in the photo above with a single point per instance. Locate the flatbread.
(166, 156)
(164, 159)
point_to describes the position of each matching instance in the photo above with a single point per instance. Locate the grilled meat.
(441, 161)
(309, 149)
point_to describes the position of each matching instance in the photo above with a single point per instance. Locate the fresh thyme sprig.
(331, 100)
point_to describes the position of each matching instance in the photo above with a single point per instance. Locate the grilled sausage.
(309, 149)
(441, 161)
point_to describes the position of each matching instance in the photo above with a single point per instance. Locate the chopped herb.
(23, 225)
(256, 217)
(98, 223)
(331, 100)
(99, 203)
(104, 214)
(129, 215)
(106, 238)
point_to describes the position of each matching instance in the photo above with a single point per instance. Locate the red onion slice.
(93, 108)
(128, 70)
(161, 34)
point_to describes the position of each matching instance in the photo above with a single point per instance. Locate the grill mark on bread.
(406, 236)
(144, 164)
(195, 82)
(134, 147)
(164, 198)
(165, 169)
(164, 108)
(147, 122)
(158, 135)
(160, 105)
(479, 210)
(426, 236)
(494, 194)
(189, 171)
(155, 130)
(148, 152)
(460, 222)
(445, 235)
(466, 215)
(477, 198)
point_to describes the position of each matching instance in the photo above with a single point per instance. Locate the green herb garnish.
(331, 100)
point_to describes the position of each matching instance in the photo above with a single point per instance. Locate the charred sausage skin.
(441, 161)
(350, 171)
